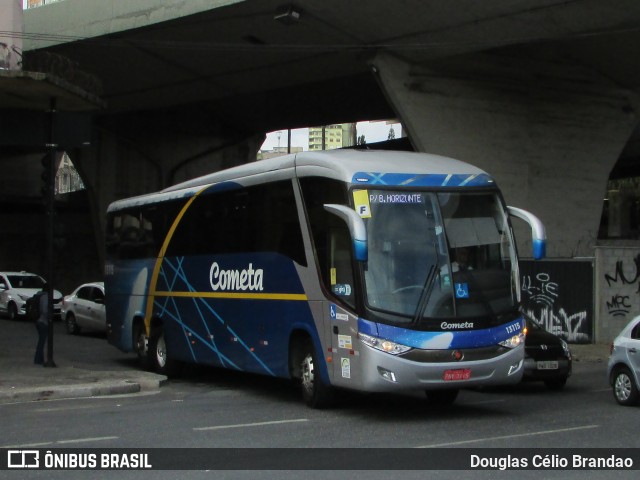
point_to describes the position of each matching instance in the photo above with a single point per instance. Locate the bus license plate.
(548, 365)
(459, 374)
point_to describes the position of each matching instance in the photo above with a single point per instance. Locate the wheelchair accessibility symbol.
(462, 290)
(332, 311)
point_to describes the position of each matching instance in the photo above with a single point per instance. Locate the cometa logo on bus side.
(235, 280)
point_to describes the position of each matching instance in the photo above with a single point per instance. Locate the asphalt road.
(212, 408)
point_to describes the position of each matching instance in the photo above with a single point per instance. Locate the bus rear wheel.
(141, 345)
(315, 393)
(159, 355)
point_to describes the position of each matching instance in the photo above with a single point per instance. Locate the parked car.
(84, 309)
(624, 364)
(16, 287)
(547, 357)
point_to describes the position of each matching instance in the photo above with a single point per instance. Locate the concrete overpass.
(541, 93)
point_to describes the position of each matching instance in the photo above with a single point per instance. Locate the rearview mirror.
(538, 234)
(357, 229)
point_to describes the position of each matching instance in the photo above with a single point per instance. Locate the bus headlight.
(514, 341)
(383, 345)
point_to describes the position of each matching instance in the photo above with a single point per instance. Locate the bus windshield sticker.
(342, 289)
(332, 272)
(361, 201)
(462, 290)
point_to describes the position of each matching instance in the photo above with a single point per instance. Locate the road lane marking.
(61, 442)
(257, 424)
(81, 440)
(28, 445)
(65, 408)
(506, 437)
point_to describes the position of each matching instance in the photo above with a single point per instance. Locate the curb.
(82, 390)
(56, 392)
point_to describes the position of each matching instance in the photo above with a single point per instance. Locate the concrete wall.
(548, 134)
(75, 258)
(11, 34)
(617, 288)
(107, 16)
(120, 166)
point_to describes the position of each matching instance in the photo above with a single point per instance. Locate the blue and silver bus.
(374, 271)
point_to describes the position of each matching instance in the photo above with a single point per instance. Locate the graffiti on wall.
(559, 297)
(618, 301)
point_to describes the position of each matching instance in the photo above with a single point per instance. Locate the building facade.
(329, 137)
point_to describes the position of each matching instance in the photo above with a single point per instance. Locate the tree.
(361, 140)
(392, 134)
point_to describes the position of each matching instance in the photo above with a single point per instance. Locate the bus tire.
(314, 392)
(442, 398)
(141, 345)
(160, 358)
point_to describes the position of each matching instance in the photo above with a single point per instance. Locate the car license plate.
(548, 365)
(459, 374)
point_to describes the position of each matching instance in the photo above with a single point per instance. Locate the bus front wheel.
(315, 393)
(160, 358)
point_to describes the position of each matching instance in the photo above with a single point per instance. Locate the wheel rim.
(307, 374)
(71, 324)
(142, 344)
(623, 387)
(13, 311)
(161, 352)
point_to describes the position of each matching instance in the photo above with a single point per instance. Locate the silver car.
(624, 364)
(84, 309)
(16, 287)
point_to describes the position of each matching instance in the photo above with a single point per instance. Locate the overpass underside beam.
(549, 134)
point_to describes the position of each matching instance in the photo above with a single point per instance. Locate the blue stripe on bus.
(423, 180)
(440, 340)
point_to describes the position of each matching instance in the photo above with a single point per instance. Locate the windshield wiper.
(425, 295)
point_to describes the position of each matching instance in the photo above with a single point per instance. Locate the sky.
(372, 131)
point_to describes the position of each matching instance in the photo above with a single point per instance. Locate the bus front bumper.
(383, 372)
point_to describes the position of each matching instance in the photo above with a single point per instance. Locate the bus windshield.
(439, 255)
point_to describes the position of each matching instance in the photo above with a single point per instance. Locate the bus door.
(339, 309)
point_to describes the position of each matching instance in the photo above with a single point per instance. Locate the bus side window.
(340, 273)
(330, 236)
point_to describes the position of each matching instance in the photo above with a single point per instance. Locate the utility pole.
(49, 163)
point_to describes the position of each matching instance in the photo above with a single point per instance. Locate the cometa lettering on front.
(235, 280)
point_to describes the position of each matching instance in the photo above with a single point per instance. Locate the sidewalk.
(590, 353)
(86, 366)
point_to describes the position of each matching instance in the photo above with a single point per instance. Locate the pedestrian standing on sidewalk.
(42, 324)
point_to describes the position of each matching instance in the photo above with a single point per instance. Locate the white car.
(16, 287)
(84, 308)
(624, 364)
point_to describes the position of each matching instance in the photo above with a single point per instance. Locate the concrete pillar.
(11, 34)
(549, 134)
